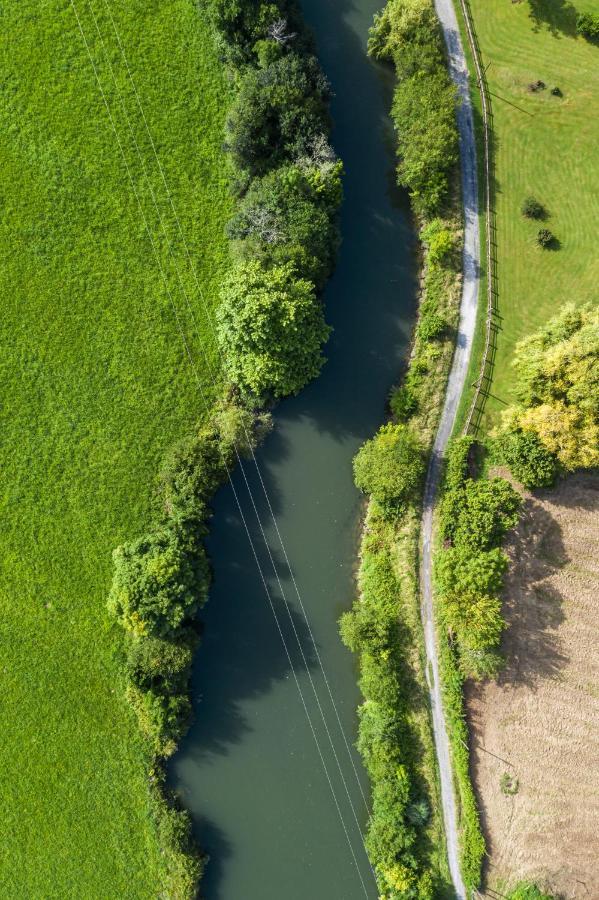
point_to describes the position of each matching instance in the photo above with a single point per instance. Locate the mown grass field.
(545, 146)
(95, 385)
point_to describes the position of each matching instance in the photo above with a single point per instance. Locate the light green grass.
(545, 146)
(95, 386)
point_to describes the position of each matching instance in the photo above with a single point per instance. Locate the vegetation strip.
(270, 330)
(485, 105)
(405, 840)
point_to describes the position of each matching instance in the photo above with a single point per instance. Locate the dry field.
(540, 723)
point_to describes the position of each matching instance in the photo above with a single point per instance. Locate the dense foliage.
(273, 329)
(475, 514)
(404, 838)
(557, 386)
(399, 812)
(407, 33)
(288, 183)
(587, 24)
(390, 467)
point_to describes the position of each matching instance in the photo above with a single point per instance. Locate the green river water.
(277, 800)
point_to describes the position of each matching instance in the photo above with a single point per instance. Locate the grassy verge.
(96, 386)
(545, 147)
(384, 626)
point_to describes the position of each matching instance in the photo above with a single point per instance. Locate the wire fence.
(483, 382)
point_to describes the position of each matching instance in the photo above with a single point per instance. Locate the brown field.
(540, 723)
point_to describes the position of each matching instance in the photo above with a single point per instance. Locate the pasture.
(96, 383)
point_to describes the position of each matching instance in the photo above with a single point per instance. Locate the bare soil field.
(535, 733)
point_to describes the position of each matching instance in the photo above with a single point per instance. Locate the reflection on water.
(266, 770)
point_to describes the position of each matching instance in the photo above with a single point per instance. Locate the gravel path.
(455, 385)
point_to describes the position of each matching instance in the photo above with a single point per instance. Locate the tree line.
(286, 183)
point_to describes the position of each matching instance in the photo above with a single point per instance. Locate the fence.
(483, 382)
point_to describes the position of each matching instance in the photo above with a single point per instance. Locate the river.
(276, 798)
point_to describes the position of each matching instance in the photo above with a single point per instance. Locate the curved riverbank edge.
(455, 386)
(161, 580)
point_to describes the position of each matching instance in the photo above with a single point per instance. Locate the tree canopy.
(558, 387)
(271, 330)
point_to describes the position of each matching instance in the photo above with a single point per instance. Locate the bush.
(278, 114)
(532, 209)
(403, 401)
(530, 461)
(390, 467)
(289, 215)
(487, 509)
(159, 582)
(439, 240)
(587, 24)
(431, 326)
(545, 238)
(475, 516)
(271, 329)
(159, 665)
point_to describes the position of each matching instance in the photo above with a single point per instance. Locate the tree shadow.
(532, 603)
(556, 16)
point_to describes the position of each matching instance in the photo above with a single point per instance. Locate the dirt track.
(540, 724)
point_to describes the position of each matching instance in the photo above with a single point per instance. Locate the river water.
(277, 798)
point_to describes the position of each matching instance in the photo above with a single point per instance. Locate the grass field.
(95, 385)
(545, 146)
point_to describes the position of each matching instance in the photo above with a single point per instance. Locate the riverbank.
(390, 552)
(269, 330)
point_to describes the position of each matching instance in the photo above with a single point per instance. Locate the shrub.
(404, 401)
(587, 24)
(390, 466)
(159, 582)
(530, 461)
(532, 209)
(278, 114)
(431, 326)
(475, 515)
(439, 240)
(271, 329)
(545, 238)
(459, 571)
(289, 215)
(159, 665)
(487, 509)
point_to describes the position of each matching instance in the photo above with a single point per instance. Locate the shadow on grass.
(556, 16)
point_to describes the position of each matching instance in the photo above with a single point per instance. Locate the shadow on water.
(249, 770)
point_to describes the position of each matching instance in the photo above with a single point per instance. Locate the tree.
(488, 508)
(289, 215)
(528, 458)
(278, 113)
(271, 329)
(390, 466)
(557, 385)
(532, 209)
(159, 581)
